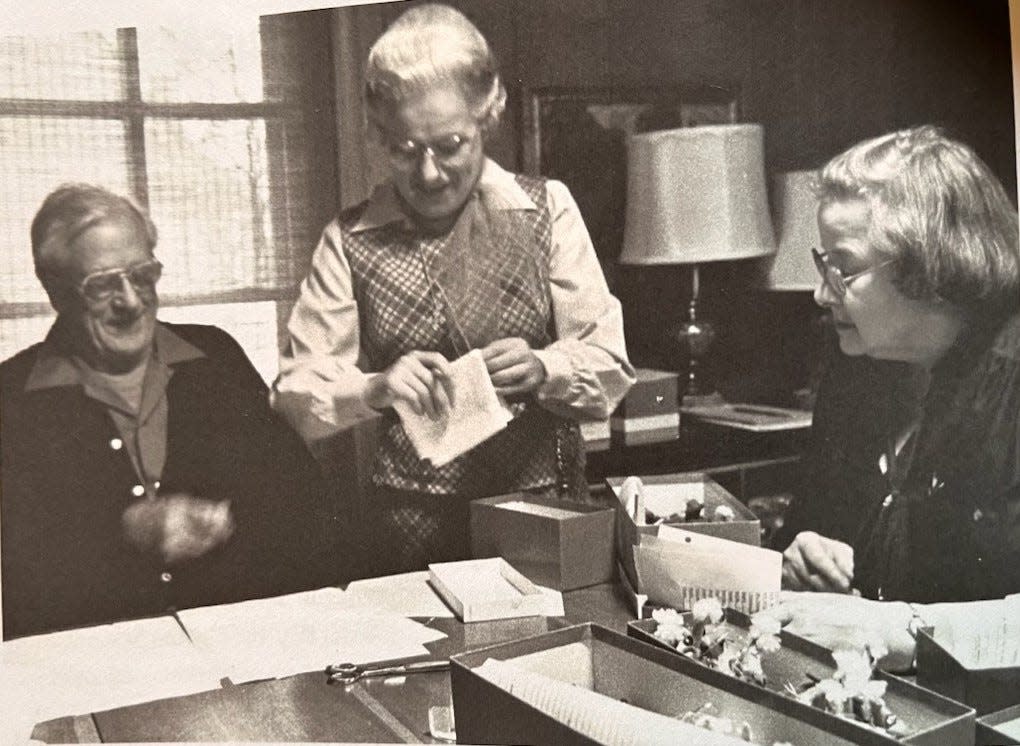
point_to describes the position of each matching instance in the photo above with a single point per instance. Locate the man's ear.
(61, 295)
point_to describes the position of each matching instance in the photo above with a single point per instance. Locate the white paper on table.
(301, 632)
(678, 567)
(553, 605)
(476, 414)
(601, 718)
(407, 594)
(87, 670)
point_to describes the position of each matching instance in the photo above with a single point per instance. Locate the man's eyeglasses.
(834, 277)
(408, 153)
(103, 285)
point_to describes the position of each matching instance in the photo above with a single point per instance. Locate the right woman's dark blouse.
(950, 529)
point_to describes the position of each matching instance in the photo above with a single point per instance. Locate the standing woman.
(451, 254)
(920, 264)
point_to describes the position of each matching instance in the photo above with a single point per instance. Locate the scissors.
(348, 673)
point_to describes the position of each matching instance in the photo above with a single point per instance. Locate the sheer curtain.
(226, 133)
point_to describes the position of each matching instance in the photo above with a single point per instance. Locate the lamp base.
(693, 338)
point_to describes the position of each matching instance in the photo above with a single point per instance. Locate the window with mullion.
(224, 133)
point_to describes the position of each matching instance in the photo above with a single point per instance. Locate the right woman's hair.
(939, 212)
(434, 44)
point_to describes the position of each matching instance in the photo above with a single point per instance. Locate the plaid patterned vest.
(503, 292)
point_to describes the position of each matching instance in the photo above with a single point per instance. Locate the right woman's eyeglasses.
(833, 276)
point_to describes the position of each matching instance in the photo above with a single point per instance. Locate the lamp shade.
(794, 209)
(696, 194)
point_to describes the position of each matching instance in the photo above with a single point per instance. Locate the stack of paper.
(476, 414)
(759, 418)
(679, 567)
(277, 637)
(96, 668)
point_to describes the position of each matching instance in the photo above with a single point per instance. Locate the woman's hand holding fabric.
(513, 366)
(420, 378)
(838, 620)
(816, 563)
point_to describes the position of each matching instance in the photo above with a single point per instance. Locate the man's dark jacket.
(65, 486)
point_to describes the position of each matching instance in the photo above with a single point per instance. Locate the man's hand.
(178, 527)
(419, 378)
(815, 563)
(513, 366)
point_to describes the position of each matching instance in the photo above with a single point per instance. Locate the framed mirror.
(579, 136)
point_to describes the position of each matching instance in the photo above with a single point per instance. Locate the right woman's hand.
(420, 378)
(841, 621)
(817, 563)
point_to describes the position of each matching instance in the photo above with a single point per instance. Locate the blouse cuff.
(558, 370)
(318, 408)
(571, 389)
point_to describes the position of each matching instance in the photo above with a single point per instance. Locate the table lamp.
(794, 209)
(696, 195)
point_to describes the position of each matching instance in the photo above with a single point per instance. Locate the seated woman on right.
(920, 264)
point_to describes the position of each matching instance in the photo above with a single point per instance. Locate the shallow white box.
(482, 589)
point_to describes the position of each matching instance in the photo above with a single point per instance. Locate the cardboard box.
(555, 543)
(933, 719)
(644, 676)
(649, 413)
(480, 590)
(745, 527)
(1002, 727)
(596, 435)
(985, 689)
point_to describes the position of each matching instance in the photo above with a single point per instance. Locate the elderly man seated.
(142, 468)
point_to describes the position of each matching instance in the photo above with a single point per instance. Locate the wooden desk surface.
(305, 708)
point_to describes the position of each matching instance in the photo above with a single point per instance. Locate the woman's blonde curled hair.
(429, 45)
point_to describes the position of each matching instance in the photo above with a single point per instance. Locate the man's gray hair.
(69, 210)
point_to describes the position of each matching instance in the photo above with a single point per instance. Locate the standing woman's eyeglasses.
(443, 150)
(833, 276)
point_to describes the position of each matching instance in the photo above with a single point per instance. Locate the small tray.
(483, 589)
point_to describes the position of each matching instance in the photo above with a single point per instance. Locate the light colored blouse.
(321, 385)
